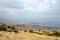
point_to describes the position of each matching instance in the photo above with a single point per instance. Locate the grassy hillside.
(8, 32)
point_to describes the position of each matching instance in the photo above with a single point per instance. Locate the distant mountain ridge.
(35, 26)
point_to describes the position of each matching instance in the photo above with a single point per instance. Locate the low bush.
(15, 31)
(13, 28)
(39, 30)
(9, 30)
(36, 32)
(25, 30)
(9, 27)
(3, 28)
(46, 33)
(56, 34)
(31, 31)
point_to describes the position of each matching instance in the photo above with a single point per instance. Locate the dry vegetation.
(13, 33)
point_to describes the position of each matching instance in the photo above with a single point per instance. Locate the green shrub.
(9, 27)
(20, 29)
(43, 31)
(15, 31)
(56, 34)
(38, 33)
(3, 28)
(31, 31)
(46, 33)
(13, 28)
(50, 34)
(9, 30)
(3, 25)
(25, 30)
(54, 31)
(39, 30)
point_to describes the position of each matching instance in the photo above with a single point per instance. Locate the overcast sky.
(31, 11)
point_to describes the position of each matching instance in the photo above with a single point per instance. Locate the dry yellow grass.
(25, 36)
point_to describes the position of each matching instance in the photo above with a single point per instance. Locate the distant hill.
(35, 26)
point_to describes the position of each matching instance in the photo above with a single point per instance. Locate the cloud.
(36, 5)
(40, 5)
(46, 1)
(17, 10)
(31, 5)
(12, 4)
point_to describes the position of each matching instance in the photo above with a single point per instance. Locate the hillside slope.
(8, 32)
(24, 36)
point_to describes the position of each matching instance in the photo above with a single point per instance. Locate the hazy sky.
(31, 11)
